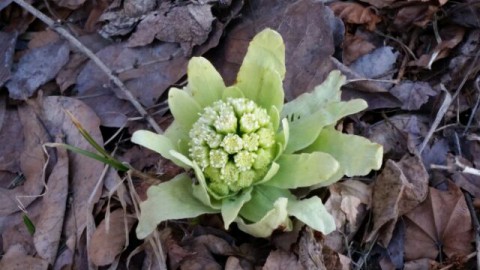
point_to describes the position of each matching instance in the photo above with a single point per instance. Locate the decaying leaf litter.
(406, 59)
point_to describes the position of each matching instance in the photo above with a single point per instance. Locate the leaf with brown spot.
(400, 187)
(355, 14)
(109, 240)
(442, 220)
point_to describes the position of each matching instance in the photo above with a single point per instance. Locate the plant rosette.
(248, 149)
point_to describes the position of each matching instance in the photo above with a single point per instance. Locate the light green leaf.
(169, 200)
(231, 206)
(204, 81)
(184, 108)
(271, 173)
(306, 128)
(262, 200)
(263, 69)
(232, 92)
(304, 131)
(274, 117)
(277, 218)
(271, 91)
(200, 190)
(158, 143)
(307, 103)
(282, 137)
(179, 137)
(312, 212)
(303, 170)
(356, 155)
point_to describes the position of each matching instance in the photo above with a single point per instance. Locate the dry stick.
(75, 42)
(441, 112)
(475, 108)
(476, 223)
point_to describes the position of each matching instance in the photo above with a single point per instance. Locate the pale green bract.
(248, 149)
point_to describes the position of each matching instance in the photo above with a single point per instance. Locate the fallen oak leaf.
(442, 223)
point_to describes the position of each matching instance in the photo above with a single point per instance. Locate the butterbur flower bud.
(237, 151)
(247, 148)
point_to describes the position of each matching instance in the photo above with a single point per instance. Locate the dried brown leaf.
(451, 36)
(302, 25)
(416, 15)
(279, 259)
(355, 14)
(353, 47)
(189, 25)
(443, 220)
(16, 258)
(37, 67)
(50, 221)
(398, 189)
(84, 171)
(412, 94)
(109, 240)
(399, 134)
(348, 202)
(30, 161)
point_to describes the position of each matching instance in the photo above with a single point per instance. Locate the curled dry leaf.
(347, 203)
(110, 238)
(442, 220)
(398, 189)
(451, 36)
(189, 25)
(37, 67)
(50, 221)
(355, 14)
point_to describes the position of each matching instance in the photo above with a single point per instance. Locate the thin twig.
(475, 108)
(441, 112)
(476, 223)
(75, 42)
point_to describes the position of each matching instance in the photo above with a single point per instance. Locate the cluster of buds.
(232, 142)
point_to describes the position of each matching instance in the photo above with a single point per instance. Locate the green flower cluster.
(247, 148)
(232, 143)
